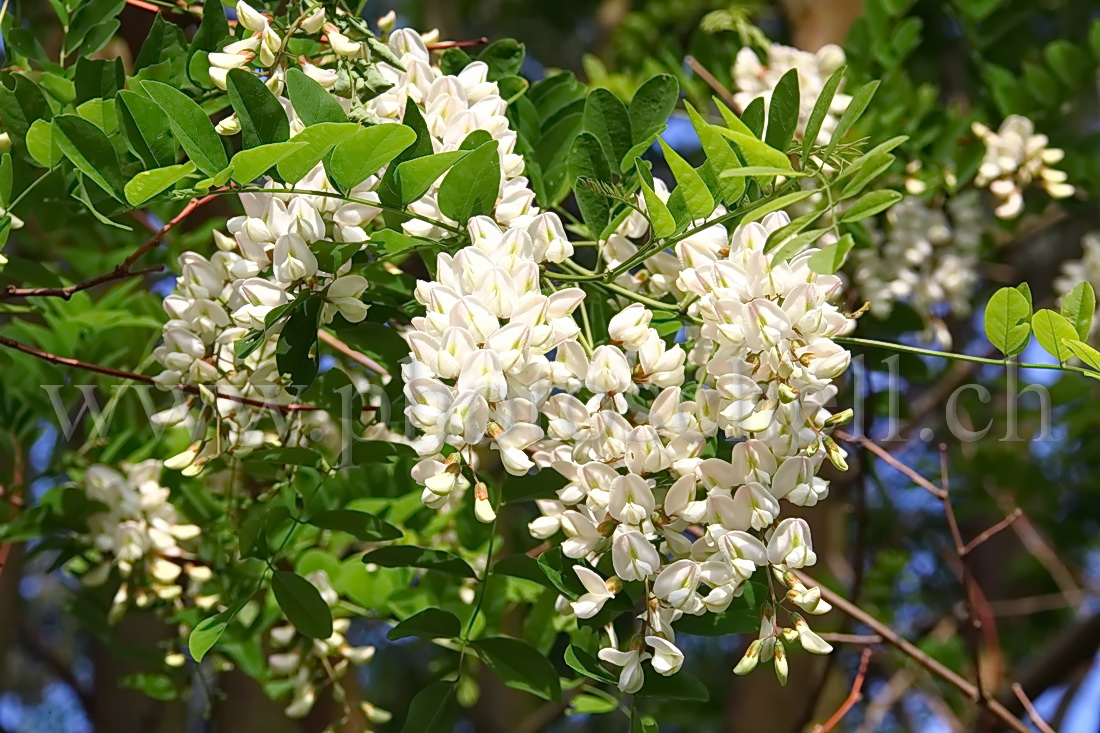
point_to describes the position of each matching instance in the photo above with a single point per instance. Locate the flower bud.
(836, 454)
(780, 662)
(250, 18)
(841, 418)
(483, 510)
(750, 660)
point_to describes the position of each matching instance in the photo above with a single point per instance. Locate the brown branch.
(892, 638)
(984, 536)
(1032, 713)
(120, 374)
(853, 697)
(121, 272)
(893, 462)
(457, 44)
(352, 354)
(713, 83)
(839, 638)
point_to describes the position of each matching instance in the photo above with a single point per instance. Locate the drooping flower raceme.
(1015, 155)
(642, 504)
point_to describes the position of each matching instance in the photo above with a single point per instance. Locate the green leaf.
(302, 604)
(750, 171)
(830, 258)
(649, 110)
(410, 556)
(1085, 353)
(190, 126)
(606, 117)
(146, 129)
(820, 112)
(98, 78)
(213, 29)
(558, 569)
(90, 151)
(364, 153)
(40, 144)
(1079, 307)
(248, 165)
(154, 685)
(520, 666)
(312, 102)
(659, 216)
(1051, 331)
(870, 204)
(586, 704)
(263, 119)
(753, 118)
(1006, 321)
(470, 188)
(783, 112)
(84, 23)
(432, 710)
(5, 179)
(587, 160)
(733, 122)
(869, 170)
(362, 526)
(320, 139)
(851, 113)
(295, 353)
(1025, 290)
(786, 247)
(755, 152)
(147, 184)
(721, 158)
(416, 176)
(700, 204)
(503, 57)
(431, 623)
(581, 661)
(207, 632)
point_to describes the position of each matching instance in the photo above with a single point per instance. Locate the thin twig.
(853, 697)
(1032, 713)
(121, 272)
(892, 638)
(713, 83)
(352, 354)
(893, 462)
(457, 44)
(984, 536)
(838, 638)
(971, 639)
(120, 374)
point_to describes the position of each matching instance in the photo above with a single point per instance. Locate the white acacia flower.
(632, 676)
(634, 557)
(589, 604)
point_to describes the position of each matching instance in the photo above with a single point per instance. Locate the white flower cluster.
(755, 78)
(453, 107)
(139, 533)
(1014, 157)
(310, 663)
(638, 481)
(1086, 269)
(927, 256)
(266, 263)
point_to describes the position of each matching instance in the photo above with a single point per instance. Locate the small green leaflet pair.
(1009, 324)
